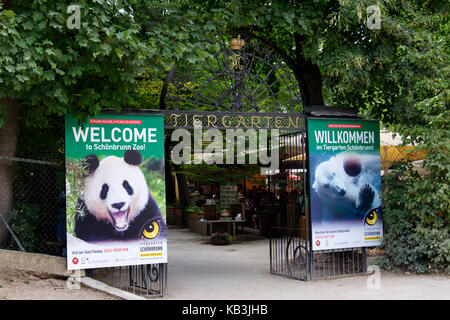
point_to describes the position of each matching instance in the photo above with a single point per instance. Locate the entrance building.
(246, 87)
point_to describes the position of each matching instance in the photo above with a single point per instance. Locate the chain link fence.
(33, 205)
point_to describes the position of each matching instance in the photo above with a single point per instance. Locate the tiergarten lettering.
(209, 120)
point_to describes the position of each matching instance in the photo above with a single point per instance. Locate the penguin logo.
(151, 230)
(371, 217)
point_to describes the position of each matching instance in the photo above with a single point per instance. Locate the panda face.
(116, 191)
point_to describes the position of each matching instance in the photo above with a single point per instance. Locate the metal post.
(12, 233)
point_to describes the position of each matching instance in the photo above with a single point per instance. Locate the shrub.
(222, 236)
(25, 222)
(417, 234)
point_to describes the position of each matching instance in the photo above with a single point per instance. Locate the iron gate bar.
(11, 232)
(56, 164)
(289, 61)
(290, 250)
(149, 279)
(244, 85)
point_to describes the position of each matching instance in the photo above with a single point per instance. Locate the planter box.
(170, 215)
(194, 216)
(174, 216)
(209, 212)
(220, 242)
(198, 227)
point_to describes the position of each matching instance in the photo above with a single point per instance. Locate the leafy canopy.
(52, 69)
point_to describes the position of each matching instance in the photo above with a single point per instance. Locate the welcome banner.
(345, 183)
(115, 191)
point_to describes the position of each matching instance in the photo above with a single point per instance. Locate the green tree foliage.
(48, 69)
(52, 69)
(219, 174)
(397, 73)
(400, 74)
(291, 27)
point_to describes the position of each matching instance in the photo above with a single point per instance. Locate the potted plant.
(174, 213)
(221, 238)
(171, 212)
(195, 212)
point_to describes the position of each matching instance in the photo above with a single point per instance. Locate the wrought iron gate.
(291, 251)
(143, 280)
(290, 245)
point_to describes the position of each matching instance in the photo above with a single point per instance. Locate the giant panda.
(116, 203)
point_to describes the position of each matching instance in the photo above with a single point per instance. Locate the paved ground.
(201, 271)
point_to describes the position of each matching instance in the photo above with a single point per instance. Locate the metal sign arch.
(240, 76)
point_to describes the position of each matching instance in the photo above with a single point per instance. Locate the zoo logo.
(371, 217)
(151, 230)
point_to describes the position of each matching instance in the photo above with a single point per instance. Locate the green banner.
(113, 134)
(347, 135)
(115, 191)
(345, 183)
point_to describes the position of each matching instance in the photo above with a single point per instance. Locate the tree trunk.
(312, 80)
(8, 145)
(185, 200)
(170, 185)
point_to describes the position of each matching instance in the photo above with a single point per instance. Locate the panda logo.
(151, 230)
(371, 217)
(116, 201)
(344, 184)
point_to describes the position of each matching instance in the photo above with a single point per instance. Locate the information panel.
(345, 183)
(115, 191)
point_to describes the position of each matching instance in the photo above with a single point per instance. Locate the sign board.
(228, 196)
(115, 191)
(345, 183)
(228, 120)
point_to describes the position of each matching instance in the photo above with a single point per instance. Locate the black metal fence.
(149, 280)
(35, 221)
(338, 263)
(291, 256)
(291, 251)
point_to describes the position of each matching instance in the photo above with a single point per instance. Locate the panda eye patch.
(127, 187)
(104, 191)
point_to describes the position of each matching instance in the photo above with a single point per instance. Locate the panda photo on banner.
(117, 203)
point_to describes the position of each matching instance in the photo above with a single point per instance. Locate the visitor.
(250, 209)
